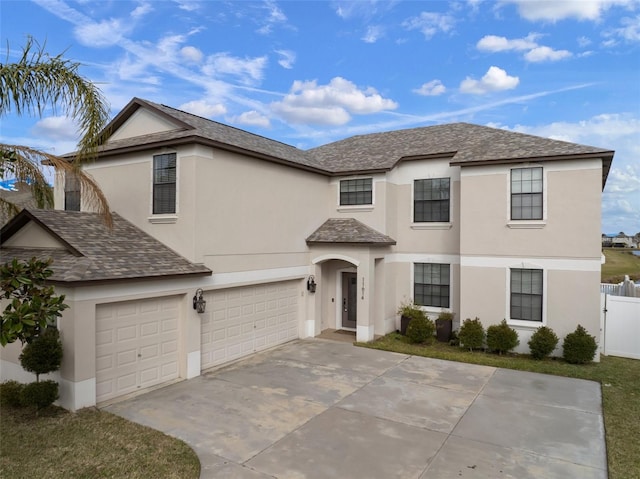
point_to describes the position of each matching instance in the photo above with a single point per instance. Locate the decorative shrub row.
(578, 347)
(37, 394)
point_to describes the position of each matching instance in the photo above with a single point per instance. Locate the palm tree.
(38, 81)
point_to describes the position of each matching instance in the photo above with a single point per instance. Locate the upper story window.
(431, 200)
(526, 193)
(356, 192)
(71, 192)
(526, 294)
(164, 184)
(431, 284)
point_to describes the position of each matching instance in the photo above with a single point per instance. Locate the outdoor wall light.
(311, 284)
(198, 301)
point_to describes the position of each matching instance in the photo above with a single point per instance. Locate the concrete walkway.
(326, 409)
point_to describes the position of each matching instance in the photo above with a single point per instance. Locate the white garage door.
(241, 321)
(136, 345)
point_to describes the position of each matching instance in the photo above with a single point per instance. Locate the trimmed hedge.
(542, 342)
(10, 393)
(579, 347)
(420, 330)
(40, 394)
(501, 338)
(471, 334)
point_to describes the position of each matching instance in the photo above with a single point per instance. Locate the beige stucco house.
(286, 243)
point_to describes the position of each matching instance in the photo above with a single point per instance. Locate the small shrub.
(455, 340)
(44, 354)
(471, 334)
(39, 394)
(579, 347)
(420, 329)
(501, 338)
(10, 393)
(542, 342)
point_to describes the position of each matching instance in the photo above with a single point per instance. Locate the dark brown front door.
(349, 300)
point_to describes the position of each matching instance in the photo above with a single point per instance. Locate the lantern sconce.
(199, 304)
(311, 284)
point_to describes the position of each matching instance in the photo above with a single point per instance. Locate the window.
(526, 294)
(431, 200)
(71, 192)
(431, 284)
(164, 184)
(356, 192)
(526, 194)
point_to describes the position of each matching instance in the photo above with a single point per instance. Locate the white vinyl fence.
(620, 320)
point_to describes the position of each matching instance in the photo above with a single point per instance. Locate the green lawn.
(88, 444)
(619, 378)
(619, 261)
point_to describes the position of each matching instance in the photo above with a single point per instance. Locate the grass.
(619, 261)
(619, 378)
(88, 444)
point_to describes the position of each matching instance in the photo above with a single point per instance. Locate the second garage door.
(241, 321)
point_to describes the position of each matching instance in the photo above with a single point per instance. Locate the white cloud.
(553, 11)
(430, 23)
(56, 128)
(534, 51)
(432, 88)
(252, 118)
(496, 79)
(102, 34)
(630, 29)
(188, 5)
(203, 108)
(274, 16)
(248, 70)
(287, 58)
(141, 10)
(331, 104)
(584, 41)
(541, 54)
(374, 32)
(493, 43)
(191, 54)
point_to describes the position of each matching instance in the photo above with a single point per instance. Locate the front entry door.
(349, 300)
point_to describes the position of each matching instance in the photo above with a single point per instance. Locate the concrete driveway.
(325, 409)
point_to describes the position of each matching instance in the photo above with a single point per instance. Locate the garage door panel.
(248, 319)
(136, 345)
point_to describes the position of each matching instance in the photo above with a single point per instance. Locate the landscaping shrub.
(542, 342)
(455, 340)
(10, 392)
(579, 347)
(39, 394)
(471, 334)
(420, 329)
(44, 354)
(501, 338)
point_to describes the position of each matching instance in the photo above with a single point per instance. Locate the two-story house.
(283, 243)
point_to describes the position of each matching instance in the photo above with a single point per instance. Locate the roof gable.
(143, 121)
(348, 231)
(93, 252)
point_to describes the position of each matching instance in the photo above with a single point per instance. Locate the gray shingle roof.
(95, 253)
(463, 143)
(348, 231)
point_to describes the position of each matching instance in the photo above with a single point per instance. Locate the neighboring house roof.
(463, 143)
(348, 231)
(94, 253)
(20, 194)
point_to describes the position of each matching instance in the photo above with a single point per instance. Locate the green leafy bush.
(542, 342)
(44, 354)
(501, 338)
(39, 394)
(579, 347)
(10, 392)
(420, 329)
(455, 340)
(471, 334)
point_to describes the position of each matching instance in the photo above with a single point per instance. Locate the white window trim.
(507, 314)
(431, 309)
(431, 225)
(367, 207)
(164, 218)
(527, 224)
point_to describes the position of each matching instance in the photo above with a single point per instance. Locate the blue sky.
(308, 73)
